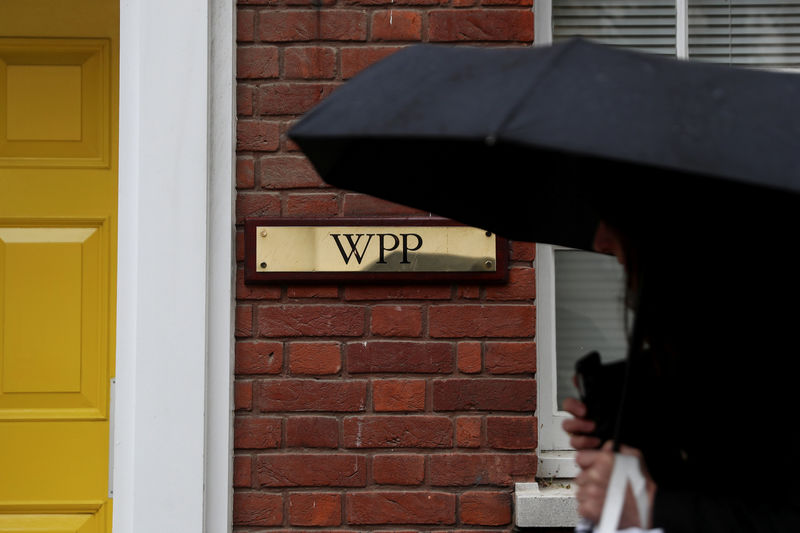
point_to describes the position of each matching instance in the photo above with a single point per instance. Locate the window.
(763, 33)
(580, 308)
(756, 33)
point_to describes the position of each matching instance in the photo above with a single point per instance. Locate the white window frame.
(556, 457)
(543, 25)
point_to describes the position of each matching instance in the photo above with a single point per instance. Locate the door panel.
(58, 210)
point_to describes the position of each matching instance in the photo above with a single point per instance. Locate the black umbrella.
(519, 141)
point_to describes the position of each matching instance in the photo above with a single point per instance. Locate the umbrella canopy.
(519, 141)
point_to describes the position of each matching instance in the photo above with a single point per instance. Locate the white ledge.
(558, 464)
(553, 505)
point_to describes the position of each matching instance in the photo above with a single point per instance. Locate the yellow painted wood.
(44, 102)
(58, 220)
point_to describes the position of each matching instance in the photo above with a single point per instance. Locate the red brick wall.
(369, 406)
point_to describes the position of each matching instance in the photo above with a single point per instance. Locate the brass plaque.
(357, 249)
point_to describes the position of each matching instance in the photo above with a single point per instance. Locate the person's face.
(607, 241)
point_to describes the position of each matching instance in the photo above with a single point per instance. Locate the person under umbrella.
(713, 285)
(693, 171)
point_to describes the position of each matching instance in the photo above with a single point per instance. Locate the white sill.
(550, 502)
(550, 506)
(558, 464)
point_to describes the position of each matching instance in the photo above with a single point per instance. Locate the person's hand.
(580, 427)
(592, 482)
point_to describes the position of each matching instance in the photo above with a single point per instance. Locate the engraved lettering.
(353, 246)
(384, 249)
(406, 249)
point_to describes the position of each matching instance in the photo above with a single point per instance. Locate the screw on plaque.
(488, 264)
(263, 233)
(263, 265)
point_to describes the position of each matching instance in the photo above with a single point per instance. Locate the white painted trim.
(681, 29)
(543, 22)
(221, 268)
(551, 436)
(175, 291)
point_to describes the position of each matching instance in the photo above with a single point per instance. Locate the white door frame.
(173, 400)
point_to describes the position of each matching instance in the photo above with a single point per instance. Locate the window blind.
(644, 25)
(590, 312)
(762, 33)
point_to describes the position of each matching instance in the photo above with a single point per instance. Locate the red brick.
(315, 358)
(394, 2)
(464, 3)
(511, 357)
(485, 508)
(481, 25)
(397, 321)
(470, 292)
(461, 469)
(401, 508)
(256, 433)
(312, 395)
(245, 173)
(396, 25)
(312, 432)
(354, 60)
(400, 356)
(312, 205)
(315, 509)
(245, 25)
(511, 432)
(309, 63)
(363, 205)
(244, 321)
(315, 3)
(243, 395)
(397, 469)
(310, 320)
(313, 291)
(397, 292)
(468, 431)
(397, 432)
(523, 251)
(524, 3)
(244, 100)
(259, 357)
(398, 395)
(255, 291)
(257, 62)
(469, 357)
(311, 470)
(484, 394)
(521, 285)
(257, 136)
(240, 245)
(287, 172)
(482, 321)
(242, 470)
(257, 204)
(291, 98)
(328, 25)
(257, 509)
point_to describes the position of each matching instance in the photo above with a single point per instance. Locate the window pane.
(748, 33)
(641, 24)
(589, 312)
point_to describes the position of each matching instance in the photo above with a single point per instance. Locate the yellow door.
(58, 205)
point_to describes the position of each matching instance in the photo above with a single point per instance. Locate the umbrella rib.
(548, 69)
